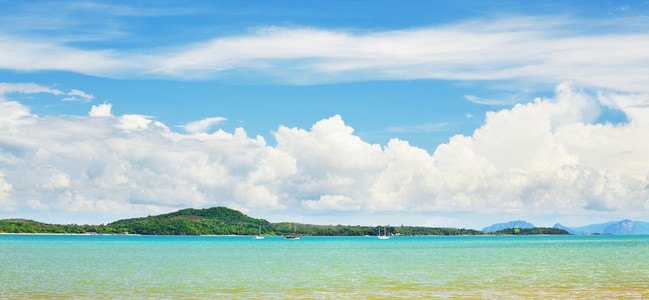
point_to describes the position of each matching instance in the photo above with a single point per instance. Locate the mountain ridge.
(623, 227)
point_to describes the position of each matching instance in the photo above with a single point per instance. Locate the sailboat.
(291, 236)
(259, 236)
(384, 236)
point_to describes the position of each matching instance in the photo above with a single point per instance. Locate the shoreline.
(234, 235)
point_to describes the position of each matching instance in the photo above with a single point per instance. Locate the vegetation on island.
(210, 221)
(29, 226)
(530, 231)
(225, 221)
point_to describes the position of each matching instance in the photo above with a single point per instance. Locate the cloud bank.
(529, 49)
(546, 156)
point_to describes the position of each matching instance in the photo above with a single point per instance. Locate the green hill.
(30, 226)
(209, 221)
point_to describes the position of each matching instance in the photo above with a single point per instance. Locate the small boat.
(259, 236)
(291, 236)
(384, 236)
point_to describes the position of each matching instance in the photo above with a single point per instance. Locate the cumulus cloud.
(5, 201)
(546, 156)
(129, 163)
(203, 125)
(531, 49)
(101, 110)
(134, 122)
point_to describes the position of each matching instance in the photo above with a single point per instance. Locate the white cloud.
(543, 157)
(134, 122)
(25, 88)
(127, 164)
(5, 189)
(26, 55)
(13, 114)
(430, 127)
(543, 51)
(31, 88)
(510, 100)
(58, 181)
(77, 95)
(331, 202)
(101, 110)
(36, 205)
(534, 50)
(203, 125)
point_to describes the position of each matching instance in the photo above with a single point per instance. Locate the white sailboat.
(384, 236)
(259, 236)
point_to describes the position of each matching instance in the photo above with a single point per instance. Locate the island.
(226, 221)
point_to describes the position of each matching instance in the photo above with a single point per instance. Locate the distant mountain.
(588, 229)
(615, 227)
(510, 224)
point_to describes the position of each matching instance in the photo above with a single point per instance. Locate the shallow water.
(68, 266)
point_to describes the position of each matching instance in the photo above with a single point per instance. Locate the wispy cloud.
(78, 95)
(619, 9)
(429, 127)
(27, 55)
(505, 100)
(131, 10)
(534, 50)
(25, 88)
(31, 88)
(202, 125)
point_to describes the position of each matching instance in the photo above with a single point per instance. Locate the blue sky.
(438, 113)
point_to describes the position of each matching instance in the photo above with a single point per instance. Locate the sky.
(427, 113)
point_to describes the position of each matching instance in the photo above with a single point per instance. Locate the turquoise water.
(68, 266)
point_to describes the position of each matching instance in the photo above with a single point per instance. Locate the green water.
(45, 266)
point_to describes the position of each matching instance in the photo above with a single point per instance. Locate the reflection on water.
(324, 267)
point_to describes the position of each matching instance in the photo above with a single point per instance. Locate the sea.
(240, 267)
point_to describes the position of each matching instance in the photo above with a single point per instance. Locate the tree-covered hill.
(209, 221)
(30, 226)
